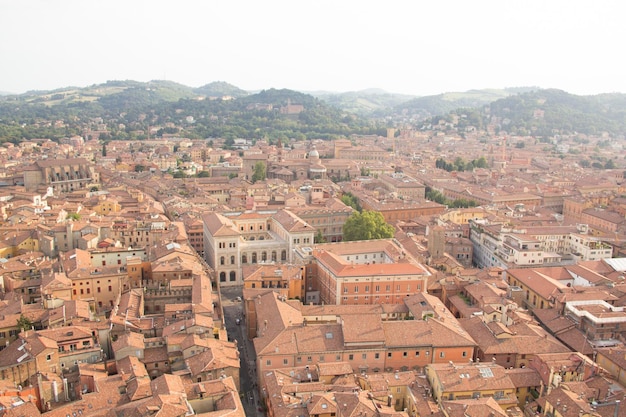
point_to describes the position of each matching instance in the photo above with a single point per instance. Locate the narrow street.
(233, 310)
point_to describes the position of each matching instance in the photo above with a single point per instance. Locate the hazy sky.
(413, 47)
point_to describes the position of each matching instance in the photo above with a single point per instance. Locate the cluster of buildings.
(112, 263)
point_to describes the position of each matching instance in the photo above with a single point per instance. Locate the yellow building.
(614, 361)
(287, 280)
(107, 206)
(464, 381)
(464, 215)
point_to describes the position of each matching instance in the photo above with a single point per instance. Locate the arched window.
(283, 255)
(221, 260)
(244, 259)
(274, 255)
(222, 276)
(232, 260)
(264, 256)
(253, 257)
(233, 276)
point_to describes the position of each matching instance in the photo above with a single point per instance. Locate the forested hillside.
(549, 112)
(130, 109)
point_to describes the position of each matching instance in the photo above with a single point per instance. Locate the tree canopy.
(24, 322)
(350, 200)
(259, 172)
(367, 225)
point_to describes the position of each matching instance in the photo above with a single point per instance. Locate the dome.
(314, 154)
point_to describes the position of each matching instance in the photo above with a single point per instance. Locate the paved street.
(233, 310)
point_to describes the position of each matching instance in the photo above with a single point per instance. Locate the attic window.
(324, 406)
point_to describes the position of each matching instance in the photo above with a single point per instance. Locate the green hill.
(548, 112)
(131, 108)
(364, 102)
(220, 89)
(428, 106)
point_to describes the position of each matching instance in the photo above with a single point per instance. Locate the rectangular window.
(364, 356)
(350, 357)
(376, 355)
(285, 361)
(417, 353)
(268, 362)
(389, 354)
(442, 354)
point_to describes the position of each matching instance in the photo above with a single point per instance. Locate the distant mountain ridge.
(371, 101)
(441, 104)
(237, 113)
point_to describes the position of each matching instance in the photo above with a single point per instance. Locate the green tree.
(319, 237)
(366, 226)
(350, 200)
(73, 216)
(204, 174)
(24, 322)
(259, 172)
